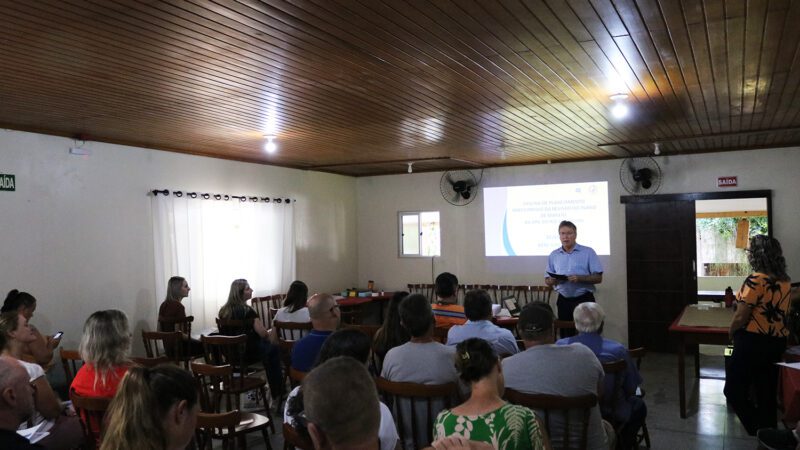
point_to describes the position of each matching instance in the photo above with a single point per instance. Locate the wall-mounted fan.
(458, 187)
(640, 176)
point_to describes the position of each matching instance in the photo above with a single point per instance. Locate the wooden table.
(356, 303)
(698, 326)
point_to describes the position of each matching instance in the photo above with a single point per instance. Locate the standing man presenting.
(582, 269)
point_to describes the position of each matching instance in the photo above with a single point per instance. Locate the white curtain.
(213, 242)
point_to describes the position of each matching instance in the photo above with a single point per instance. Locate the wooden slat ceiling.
(360, 87)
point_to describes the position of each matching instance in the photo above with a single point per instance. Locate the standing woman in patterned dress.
(759, 332)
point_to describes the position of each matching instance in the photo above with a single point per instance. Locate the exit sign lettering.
(727, 182)
(7, 182)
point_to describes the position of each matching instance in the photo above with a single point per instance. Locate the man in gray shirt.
(421, 360)
(565, 370)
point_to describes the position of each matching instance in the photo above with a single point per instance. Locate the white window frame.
(400, 216)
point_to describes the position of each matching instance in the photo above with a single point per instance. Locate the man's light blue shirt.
(502, 340)
(581, 261)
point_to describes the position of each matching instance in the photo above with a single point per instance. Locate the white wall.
(77, 233)
(380, 198)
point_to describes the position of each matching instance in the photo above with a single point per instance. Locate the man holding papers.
(572, 270)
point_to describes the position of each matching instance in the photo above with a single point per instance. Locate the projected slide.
(523, 220)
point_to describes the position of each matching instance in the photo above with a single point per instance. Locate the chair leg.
(645, 435)
(266, 437)
(267, 409)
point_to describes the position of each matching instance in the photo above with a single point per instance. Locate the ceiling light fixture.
(270, 146)
(656, 148)
(620, 109)
(410, 169)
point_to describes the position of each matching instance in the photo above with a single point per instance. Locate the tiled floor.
(710, 424)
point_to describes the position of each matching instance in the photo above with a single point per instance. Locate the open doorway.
(723, 228)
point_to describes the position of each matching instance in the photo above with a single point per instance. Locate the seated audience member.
(341, 405)
(154, 409)
(258, 347)
(478, 309)
(563, 370)
(325, 316)
(392, 333)
(485, 416)
(354, 344)
(446, 309)
(105, 349)
(39, 351)
(64, 427)
(172, 309)
(421, 360)
(294, 307)
(16, 404)
(630, 409)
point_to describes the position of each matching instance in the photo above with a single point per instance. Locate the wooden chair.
(492, 290)
(230, 350)
(565, 406)
(288, 333)
(214, 384)
(440, 334)
(221, 426)
(262, 305)
(152, 362)
(415, 406)
(292, 439)
(424, 289)
(558, 325)
(183, 325)
(541, 294)
(638, 354)
(71, 361)
(92, 411)
(296, 377)
(608, 401)
(369, 330)
(165, 343)
(234, 327)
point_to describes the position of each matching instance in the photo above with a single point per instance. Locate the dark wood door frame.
(646, 301)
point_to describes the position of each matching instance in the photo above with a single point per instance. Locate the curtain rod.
(225, 197)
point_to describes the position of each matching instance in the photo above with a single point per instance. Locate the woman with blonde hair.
(63, 426)
(258, 344)
(105, 348)
(154, 409)
(172, 310)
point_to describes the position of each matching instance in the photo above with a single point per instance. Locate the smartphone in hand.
(58, 335)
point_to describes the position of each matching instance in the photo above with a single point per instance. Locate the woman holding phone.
(41, 349)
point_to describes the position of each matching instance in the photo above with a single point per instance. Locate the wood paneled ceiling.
(360, 87)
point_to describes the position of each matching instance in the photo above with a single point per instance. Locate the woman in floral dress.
(486, 417)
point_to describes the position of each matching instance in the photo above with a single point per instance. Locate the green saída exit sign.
(7, 182)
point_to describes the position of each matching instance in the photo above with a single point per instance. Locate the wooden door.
(662, 278)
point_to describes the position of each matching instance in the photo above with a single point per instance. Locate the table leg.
(696, 361)
(682, 375)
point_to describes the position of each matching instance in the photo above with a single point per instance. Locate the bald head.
(16, 394)
(324, 312)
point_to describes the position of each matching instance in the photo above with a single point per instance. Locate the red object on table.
(790, 388)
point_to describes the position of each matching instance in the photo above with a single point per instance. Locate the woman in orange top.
(759, 335)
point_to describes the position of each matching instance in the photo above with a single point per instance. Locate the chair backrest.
(540, 294)
(234, 327)
(71, 361)
(164, 343)
(637, 354)
(219, 425)
(183, 325)
(262, 306)
(152, 362)
(226, 350)
(422, 288)
(292, 437)
(369, 330)
(210, 379)
(546, 405)
(613, 388)
(558, 325)
(296, 376)
(92, 411)
(415, 407)
(440, 334)
(292, 331)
